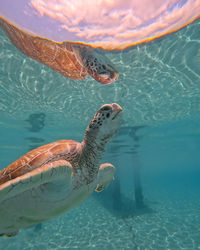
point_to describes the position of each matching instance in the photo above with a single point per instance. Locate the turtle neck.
(92, 152)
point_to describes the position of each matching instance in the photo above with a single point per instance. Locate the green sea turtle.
(56, 177)
(73, 60)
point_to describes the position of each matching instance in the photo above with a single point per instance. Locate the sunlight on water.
(153, 202)
(158, 82)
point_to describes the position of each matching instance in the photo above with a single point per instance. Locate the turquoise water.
(157, 147)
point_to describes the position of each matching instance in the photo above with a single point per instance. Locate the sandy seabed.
(170, 223)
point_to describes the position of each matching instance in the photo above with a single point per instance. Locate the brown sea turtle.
(56, 177)
(73, 60)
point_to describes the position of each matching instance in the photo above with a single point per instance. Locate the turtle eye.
(103, 73)
(106, 108)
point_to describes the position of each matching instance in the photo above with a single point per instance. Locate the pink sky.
(107, 23)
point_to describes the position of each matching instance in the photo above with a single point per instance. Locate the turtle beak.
(108, 78)
(117, 110)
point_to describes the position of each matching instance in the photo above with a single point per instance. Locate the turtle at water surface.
(56, 177)
(70, 59)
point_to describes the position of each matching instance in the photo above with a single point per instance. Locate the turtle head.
(99, 66)
(106, 122)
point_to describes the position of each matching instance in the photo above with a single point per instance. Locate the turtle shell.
(37, 158)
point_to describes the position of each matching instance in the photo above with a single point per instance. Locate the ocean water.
(154, 201)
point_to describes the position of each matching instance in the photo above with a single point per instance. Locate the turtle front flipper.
(105, 176)
(98, 66)
(45, 176)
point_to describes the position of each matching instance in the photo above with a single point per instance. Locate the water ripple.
(158, 81)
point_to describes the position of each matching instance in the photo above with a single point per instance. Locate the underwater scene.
(130, 179)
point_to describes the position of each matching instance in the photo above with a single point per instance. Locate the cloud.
(118, 23)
